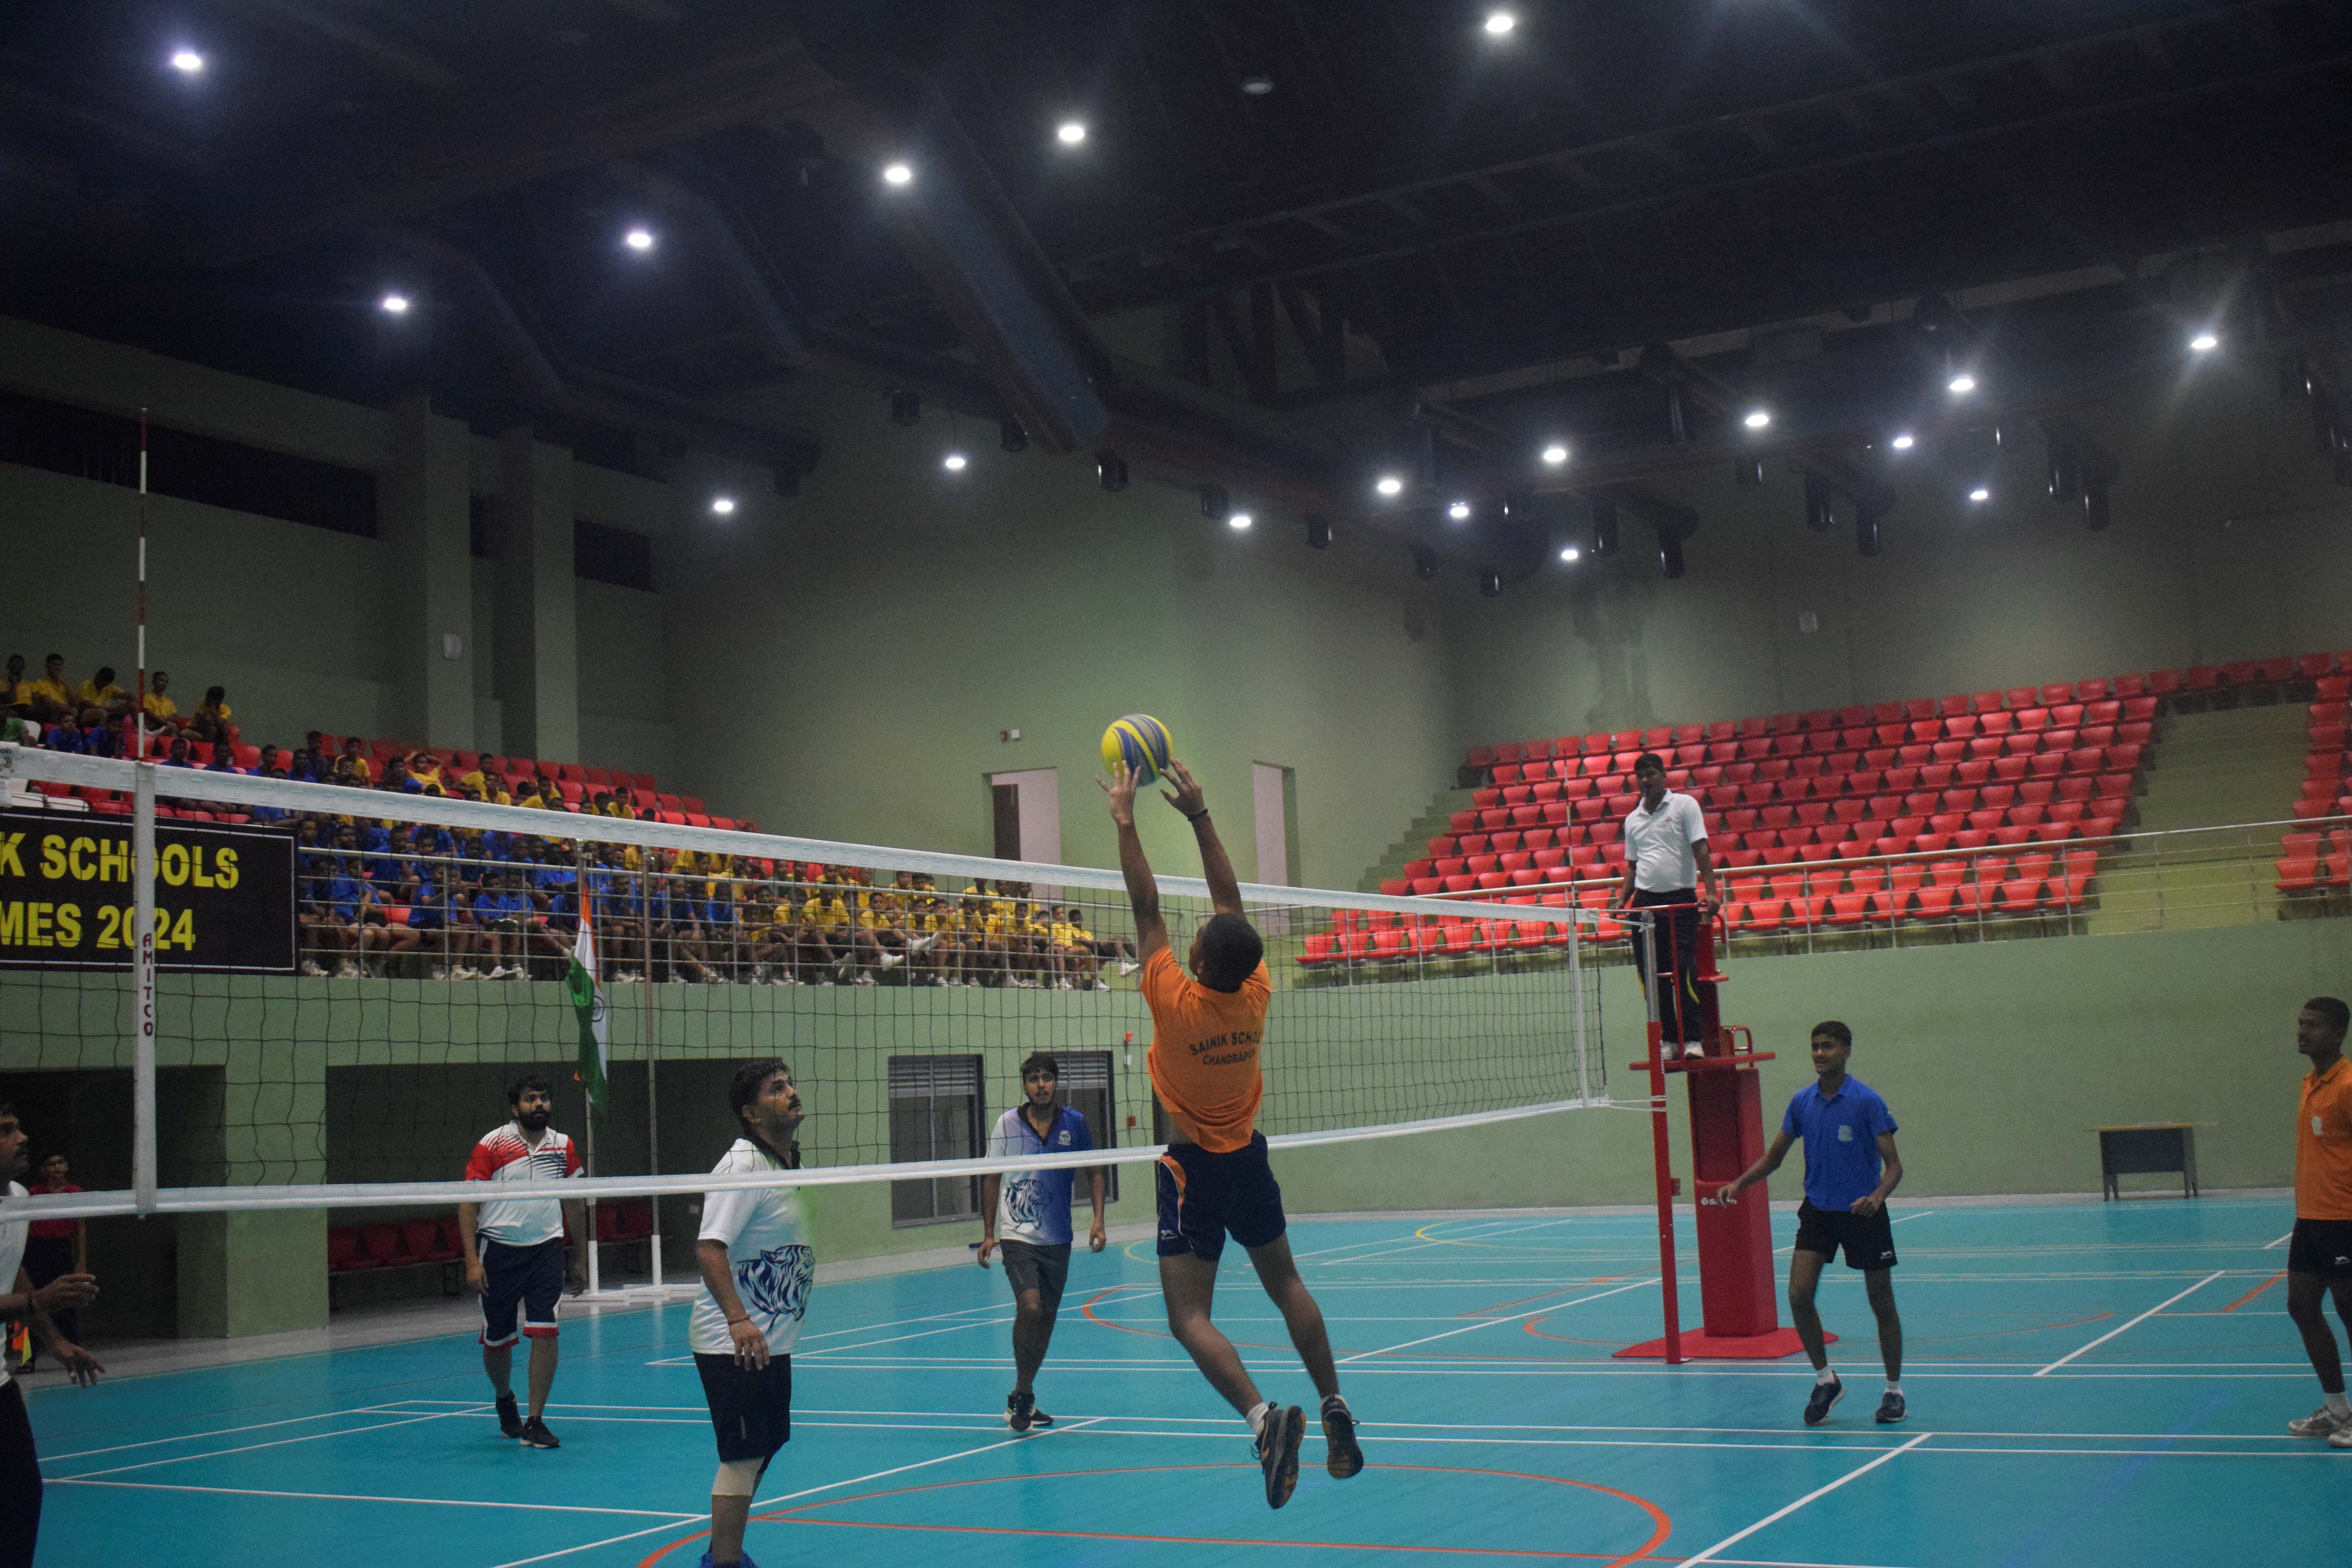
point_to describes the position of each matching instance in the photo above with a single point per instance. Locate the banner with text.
(224, 895)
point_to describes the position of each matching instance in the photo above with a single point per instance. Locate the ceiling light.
(1500, 22)
(187, 62)
(1555, 454)
(393, 304)
(1070, 132)
(953, 462)
(1570, 554)
(722, 506)
(1980, 494)
(1459, 511)
(2204, 343)
(1390, 485)
(1257, 86)
(638, 240)
(1757, 419)
(1240, 520)
(899, 174)
(1962, 382)
(1902, 443)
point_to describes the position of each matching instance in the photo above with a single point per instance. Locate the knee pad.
(736, 1477)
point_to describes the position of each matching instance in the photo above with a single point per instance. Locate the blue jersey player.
(1028, 1215)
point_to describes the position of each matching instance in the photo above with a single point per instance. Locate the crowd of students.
(63, 714)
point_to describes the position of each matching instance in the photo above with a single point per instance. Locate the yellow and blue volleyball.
(1141, 743)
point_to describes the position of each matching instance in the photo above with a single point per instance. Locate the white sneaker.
(440, 972)
(1100, 983)
(1126, 967)
(759, 976)
(865, 980)
(2341, 1438)
(892, 959)
(675, 978)
(347, 970)
(923, 944)
(2321, 1423)
(314, 969)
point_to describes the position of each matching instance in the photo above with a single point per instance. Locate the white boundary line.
(1716, 1550)
(255, 1427)
(809, 1492)
(2282, 1241)
(359, 1497)
(2144, 1317)
(1490, 1322)
(280, 1443)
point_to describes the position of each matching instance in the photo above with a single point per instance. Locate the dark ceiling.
(1422, 233)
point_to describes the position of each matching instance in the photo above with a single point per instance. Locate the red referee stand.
(1740, 1306)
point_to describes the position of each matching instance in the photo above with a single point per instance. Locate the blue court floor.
(2089, 1384)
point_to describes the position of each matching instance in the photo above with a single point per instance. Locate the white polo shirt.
(1658, 843)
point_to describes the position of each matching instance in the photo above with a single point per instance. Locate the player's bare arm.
(1142, 888)
(719, 1278)
(1216, 867)
(1771, 1159)
(575, 1263)
(1872, 1202)
(991, 1185)
(475, 1280)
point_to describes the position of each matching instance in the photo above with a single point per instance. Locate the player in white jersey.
(20, 1465)
(757, 1270)
(515, 1254)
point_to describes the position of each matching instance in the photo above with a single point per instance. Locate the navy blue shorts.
(527, 1277)
(1203, 1195)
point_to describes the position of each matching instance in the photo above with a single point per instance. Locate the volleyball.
(1141, 743)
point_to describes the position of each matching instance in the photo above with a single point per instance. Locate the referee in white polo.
(1665, 855)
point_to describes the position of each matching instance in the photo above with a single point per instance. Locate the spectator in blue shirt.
(1850, 1166)
(503, 917)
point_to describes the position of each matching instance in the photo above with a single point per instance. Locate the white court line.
(810, 1491)
(1490, 1322)
(2282, 1241)
(1716, 1550)
(1908, 1218)
(896, 1339)
(357, 1497)
(280, 1443)
(2144, 1317)
(255, 1427)
(1594, 1368)
(1422, 1243)
(995, 1306)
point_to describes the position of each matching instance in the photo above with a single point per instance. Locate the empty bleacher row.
(2318, 860)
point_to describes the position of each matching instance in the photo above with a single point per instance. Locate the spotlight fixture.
(1757, 419)
(722, 506)
(1980, 494)
(393, 304)
(953, 462)
(1390, 485)
(1459, 512)
(639, 240)
(1819, 495)
(1490, 583)
(1318, 533)
(187, 62)
(1570, 554)
(1424, 562)
(1011, 437)
(1240, 520)
(1070, 132)
(1500, 22)
(1604, 528)
(1257, 86)
(1110, 470)
(1961, 384)
(899, 174)
(1214, 502)
(1902, 443)
(2204, 343)
(1555, 454)
(905, 406)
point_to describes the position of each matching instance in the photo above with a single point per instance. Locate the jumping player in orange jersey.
(1207, 1032)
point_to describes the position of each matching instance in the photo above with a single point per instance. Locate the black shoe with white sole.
(1277, 1452)
(1892, 1409)
(1825, 1396)
(535, 1435)
(1341, 1455)
(509, 1417)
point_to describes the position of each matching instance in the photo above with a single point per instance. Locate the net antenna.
(903, 1010)
(142, 860)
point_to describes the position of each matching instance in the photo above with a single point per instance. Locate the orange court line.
(2255, 1291)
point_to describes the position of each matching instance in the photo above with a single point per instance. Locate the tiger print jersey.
(768, 1253)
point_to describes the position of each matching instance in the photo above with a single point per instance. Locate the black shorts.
(531, 1277)
(1045, 1270)
(1204, 1196)
(2321, 1246)
(751, 1412)
(1868, 1239)
(20, 1481)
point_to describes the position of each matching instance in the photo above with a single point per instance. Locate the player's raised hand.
(1121, 790)
(1187, 796)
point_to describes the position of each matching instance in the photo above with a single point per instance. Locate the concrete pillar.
(424, 516)
(252, 1271)
(537, 675)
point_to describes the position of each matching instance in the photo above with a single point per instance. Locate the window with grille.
(934, 1115)
(1087, 1088)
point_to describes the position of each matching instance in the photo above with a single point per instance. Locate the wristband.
(1196, 815)
(733, 1321)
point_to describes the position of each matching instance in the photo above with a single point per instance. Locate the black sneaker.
(509, 1417)
(535, 1435)
(1825, 1395)
(1342, 1457)
(1277, 1452)
(1892, 1409)
(1020, 1410)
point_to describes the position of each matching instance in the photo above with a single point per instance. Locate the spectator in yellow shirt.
(363, 770)
(52, 698)
(16, 691)
(161, 708)
(1075, 954)
(210, 721)
(100, 694)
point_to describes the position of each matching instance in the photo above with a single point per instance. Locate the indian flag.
(588, 1001)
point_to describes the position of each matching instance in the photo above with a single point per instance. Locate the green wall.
(2222, 508)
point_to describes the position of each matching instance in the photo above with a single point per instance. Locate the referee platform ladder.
(1740, 1308)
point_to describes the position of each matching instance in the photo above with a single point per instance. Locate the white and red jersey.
(504, 1155)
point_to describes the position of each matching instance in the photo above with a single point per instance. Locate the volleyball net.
(346, 982)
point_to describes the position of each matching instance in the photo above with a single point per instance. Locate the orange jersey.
(2323, 1146)
(1203, 1056)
